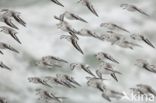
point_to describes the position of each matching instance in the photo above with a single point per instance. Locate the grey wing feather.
(75, 44)
(91, 8)
(57, 2)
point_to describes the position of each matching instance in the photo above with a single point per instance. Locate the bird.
(96, 83)
(102, 56)
(48, 95)
(111, 37)
(7, 46)
(16, 15)
(10, 31)
(84, 67)
(136, 91)
(3, 100)
(109, 93)
(70, 79)
(142, 38)
(107, 69)
(64, 80)
(65, 26)
(53, 80)
(72, 16)
(133, 8)
(146, 89)
(52, 61)
(89, 5)
(112, 26)
(73, 41)
(57, 2)
(2, 65)
(142, 63)
(127, 44)
(38, 80)
(87, 32)
(5, 18)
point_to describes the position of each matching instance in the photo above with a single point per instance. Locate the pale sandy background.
(41, 38)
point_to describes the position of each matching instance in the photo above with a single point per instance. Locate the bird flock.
(107, 66)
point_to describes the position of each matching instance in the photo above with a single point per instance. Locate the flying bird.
(89, 5)
(70, 79)
(84, 67)
(142, 38)
(48, 95)
(72, 16)
(127, 44)
(107, 69)
(52, 61)
(57, 2)
(10, 31)
(38, 80)
(16, 15)
(96, 83)
(7, 46)
(142, 63)
(2, 65)
(73, 41)
(146, 89)
(112, 26)
(65, 26)
(133, 8)
(102, 56)
(108, 94)
(64, 81)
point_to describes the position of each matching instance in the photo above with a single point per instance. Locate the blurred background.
(41, 38)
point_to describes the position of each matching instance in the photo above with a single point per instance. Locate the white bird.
(111, 37)
(84, 67)
(52, 61)
(102, 56)
(65, 26)
(38, 80)
(2, 65)
(133, 8)
(86, 32)
(15, 15)
(112, 26)
(57, 2)
(108, 94)
(89, 5)
(142, 38)
(96, 83)
(73, 41)
(127, 44)
(7, 46)
(53, 80)
(70, 79)
(64, 81)
(142, 63)
(146, 89)
(5, 18)
(10, 31)
(47, 95)
(72, 16)
(107, 69)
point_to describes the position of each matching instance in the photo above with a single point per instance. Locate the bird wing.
(75, 44)
(57, 2)
(91, 8)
